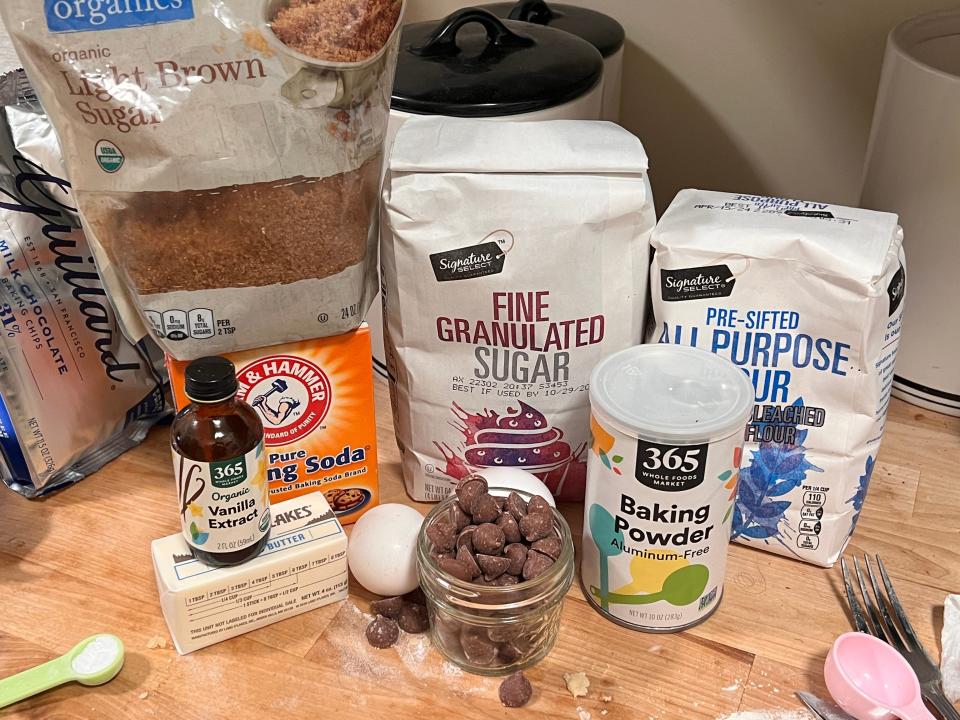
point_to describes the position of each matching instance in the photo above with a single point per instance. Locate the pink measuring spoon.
(872, 681)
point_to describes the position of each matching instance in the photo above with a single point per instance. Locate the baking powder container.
(668, 428)
(490, 630)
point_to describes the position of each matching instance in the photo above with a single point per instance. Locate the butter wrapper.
(302, 567)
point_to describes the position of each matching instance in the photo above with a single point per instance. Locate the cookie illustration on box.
(521, 437)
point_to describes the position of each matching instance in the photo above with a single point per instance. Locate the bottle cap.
(210, 379)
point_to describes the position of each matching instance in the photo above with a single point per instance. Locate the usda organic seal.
(108, 155)
(668, 428)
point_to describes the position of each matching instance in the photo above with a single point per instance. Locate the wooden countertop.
(79, 563)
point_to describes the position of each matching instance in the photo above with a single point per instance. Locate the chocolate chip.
(459, 517)
(549, 546)
(492, 566)
(383, 632)
(536, 564)
(470, 562)
(515, 690)
(537, 503)
(536, 525)
(413, 618)
(506, 579)
(443, 535)
(504, 632)
(517, 552)
(488, 539)
(468, 489)
(508, 653)
(511, 531)
(516, 506)
(477, 647)
(388, 607)
(416, 596)
(465, 538)
(501, 501)
(456, 568)
(485, 509)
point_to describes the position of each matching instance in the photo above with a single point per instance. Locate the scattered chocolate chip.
(477, 647)
(536, 564)
(416, 596)
(459, 517)
(443, 535)
(549, 546)
(492, 566)
(468, 489)
(413, 618)
(537, 503)
(454, 567)
(383, 632)
(488, 539)
(511, 531)
(388, 607)
(517, 552)
(470, 562)
(465, 538)
(485, 509)
(536, 525)
(516, 506)
(506, 579)
(515, 690)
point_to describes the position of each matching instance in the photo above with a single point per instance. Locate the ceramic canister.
(473, 64)
(668, 427)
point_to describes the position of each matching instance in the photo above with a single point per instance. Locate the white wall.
(771, 96)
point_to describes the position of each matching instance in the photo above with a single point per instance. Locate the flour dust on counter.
(807, 299)
(514, 257)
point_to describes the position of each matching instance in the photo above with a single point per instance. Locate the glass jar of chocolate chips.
(495, 566)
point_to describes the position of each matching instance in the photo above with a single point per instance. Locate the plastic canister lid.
(671, 393)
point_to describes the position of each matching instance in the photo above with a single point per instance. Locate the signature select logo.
(473, 261)
(34, 194)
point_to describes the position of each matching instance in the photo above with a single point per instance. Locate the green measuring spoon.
(93, 661)
(604, 534)
(682, 587)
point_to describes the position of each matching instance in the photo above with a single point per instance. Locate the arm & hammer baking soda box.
(315, 399)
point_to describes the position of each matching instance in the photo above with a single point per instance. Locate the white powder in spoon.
(96, 657)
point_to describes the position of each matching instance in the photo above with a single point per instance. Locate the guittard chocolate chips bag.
(514, 259)
(807, 299)
(225, 156)
(74, 393)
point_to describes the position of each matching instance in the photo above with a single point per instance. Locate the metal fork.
(902, 637)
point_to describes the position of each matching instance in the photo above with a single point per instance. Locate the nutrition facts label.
(808, 535)
(198, 324)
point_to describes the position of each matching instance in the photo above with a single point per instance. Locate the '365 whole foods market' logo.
(292, 396)
(473, 261)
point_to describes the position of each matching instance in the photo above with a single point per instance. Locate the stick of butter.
(302, 567)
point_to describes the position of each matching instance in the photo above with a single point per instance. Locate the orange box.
(315, 399)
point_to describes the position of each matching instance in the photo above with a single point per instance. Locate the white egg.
(516, 479)
(382, 552)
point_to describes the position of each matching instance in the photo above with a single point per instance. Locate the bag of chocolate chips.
(225, 157)
(74, 393)
(514, 258)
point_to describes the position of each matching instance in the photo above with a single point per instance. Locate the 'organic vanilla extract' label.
(224, 505)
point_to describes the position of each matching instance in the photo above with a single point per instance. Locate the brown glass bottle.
(220, 467)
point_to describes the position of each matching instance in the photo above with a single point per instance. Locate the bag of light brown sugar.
(225, 157)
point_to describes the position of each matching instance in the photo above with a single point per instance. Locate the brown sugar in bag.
(225, 157)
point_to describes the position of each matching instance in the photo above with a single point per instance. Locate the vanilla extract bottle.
(220, 467)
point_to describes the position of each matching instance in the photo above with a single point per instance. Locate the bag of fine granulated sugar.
(225, 157)
(807, 299)
(514, 258)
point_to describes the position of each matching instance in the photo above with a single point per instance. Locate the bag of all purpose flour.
(225, 157)
(514, 258)
(807, 299)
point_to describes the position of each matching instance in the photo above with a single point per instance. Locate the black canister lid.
(472, 64)
(210, 379)
(601, 31)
